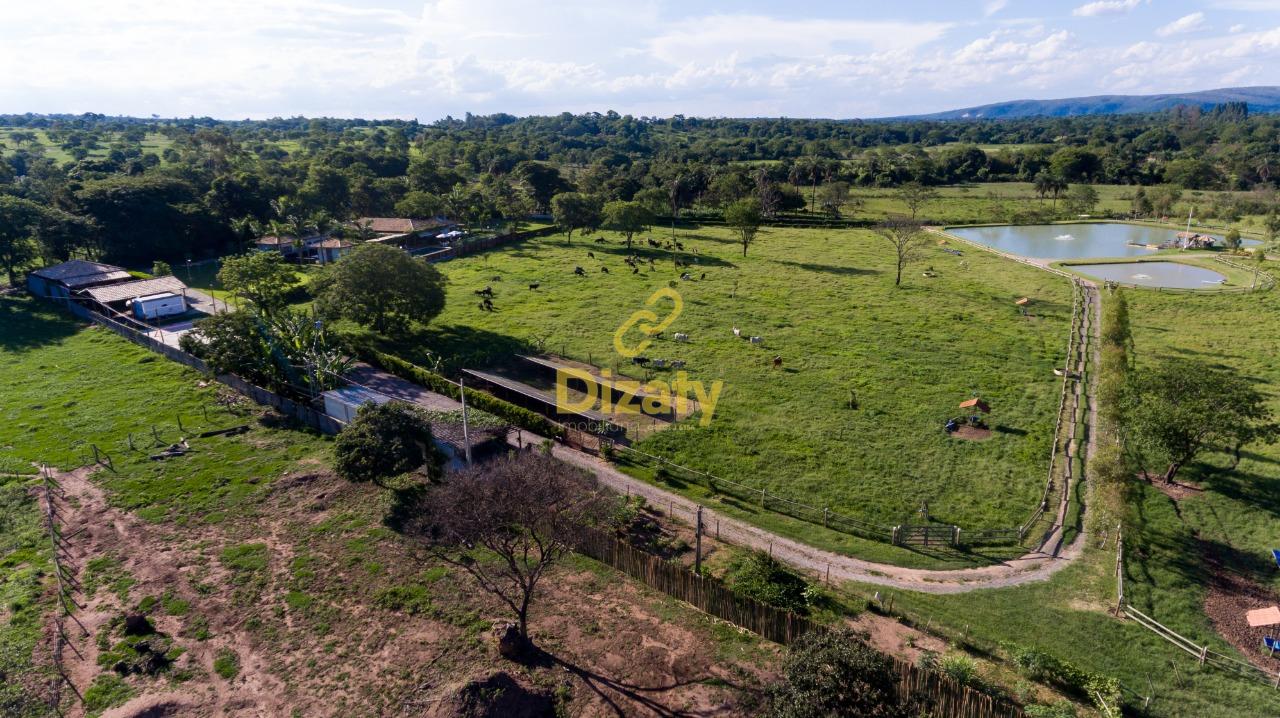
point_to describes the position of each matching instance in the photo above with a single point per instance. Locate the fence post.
(955, 535)
(825, 513)
(763, 495)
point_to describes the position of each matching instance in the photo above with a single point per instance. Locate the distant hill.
(1260, 99)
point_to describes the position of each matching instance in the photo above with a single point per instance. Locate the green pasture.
(824, 301)
(1234, 517)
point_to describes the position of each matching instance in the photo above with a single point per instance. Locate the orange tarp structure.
(976, 403)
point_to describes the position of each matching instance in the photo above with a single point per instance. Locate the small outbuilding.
(976, 404)
(343, 404)
(61, 280)
(331, 250)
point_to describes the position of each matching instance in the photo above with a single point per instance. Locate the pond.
(1153, 274)
(1071, 241)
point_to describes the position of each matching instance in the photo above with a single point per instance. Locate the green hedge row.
(505, 410)
(1037, 665)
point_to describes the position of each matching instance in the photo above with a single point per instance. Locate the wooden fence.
(941, 696)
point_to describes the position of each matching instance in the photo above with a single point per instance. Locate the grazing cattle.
(486, 292)
(704, 275)
(659, 363)
(580, 271)
(591, 254)
(679, 246)
(496, 279)
(640, 360)
(635, 269)
(737, 332)
(604, 269)
(600, 240)
(686, 276)
(682, 337)
(487, 304)
(655, 334)
(777, 362)
(677, 363)
(757, 340)
(535, 285)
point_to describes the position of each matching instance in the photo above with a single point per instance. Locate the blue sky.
(409, 58)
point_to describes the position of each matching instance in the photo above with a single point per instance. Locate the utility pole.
(466, 438)
(697, 550)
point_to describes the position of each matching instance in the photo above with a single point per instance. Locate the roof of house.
(332, 243)
(272, 240)
(399, 225)
(133, 290)
(79, 273)
(975, 403)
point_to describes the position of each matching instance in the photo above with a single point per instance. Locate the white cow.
(682, 337)
(737, 332)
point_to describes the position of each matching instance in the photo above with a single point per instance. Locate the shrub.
(412, 599)
(385, 440)
(107, 691)
(960, 668)
(835, 673)
(764, 578)
(226, 663)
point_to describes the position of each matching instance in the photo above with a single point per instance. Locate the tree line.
(135, 190)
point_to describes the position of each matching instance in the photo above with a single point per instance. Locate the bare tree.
(505, 522)
(908, 239)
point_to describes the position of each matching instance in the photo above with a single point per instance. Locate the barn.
(60, 281)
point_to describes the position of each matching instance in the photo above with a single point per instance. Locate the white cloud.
(1186, 23)
(1106, 7)
(1240, 27)
(994, 6)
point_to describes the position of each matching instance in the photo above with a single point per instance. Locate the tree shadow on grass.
(659, 256)
(626, 699)
(829, 268)
(27, 324)
(458, 345)
(1253, 489)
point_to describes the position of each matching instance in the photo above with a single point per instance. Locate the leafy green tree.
(1082, 198)
(915, 196)
(380, 287)
(1141, 205)
(835, 674)
(744, 217)
(161, 268)
(262, 278)
(384, 441)
(626, 218)
(234, 343)
(1232, 239)
(18, 221)
(541, 180)
(834, 196)
(419, 204)
(574, 210)
(61, 234)
(1180, 408)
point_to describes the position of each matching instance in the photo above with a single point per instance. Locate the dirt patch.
(889, 636)
(1231, 594)
(971, 433)
(340, 616)
(1174, 490)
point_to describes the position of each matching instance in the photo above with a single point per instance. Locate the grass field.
(825, 302)
(252, 558)
(1234, 516)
